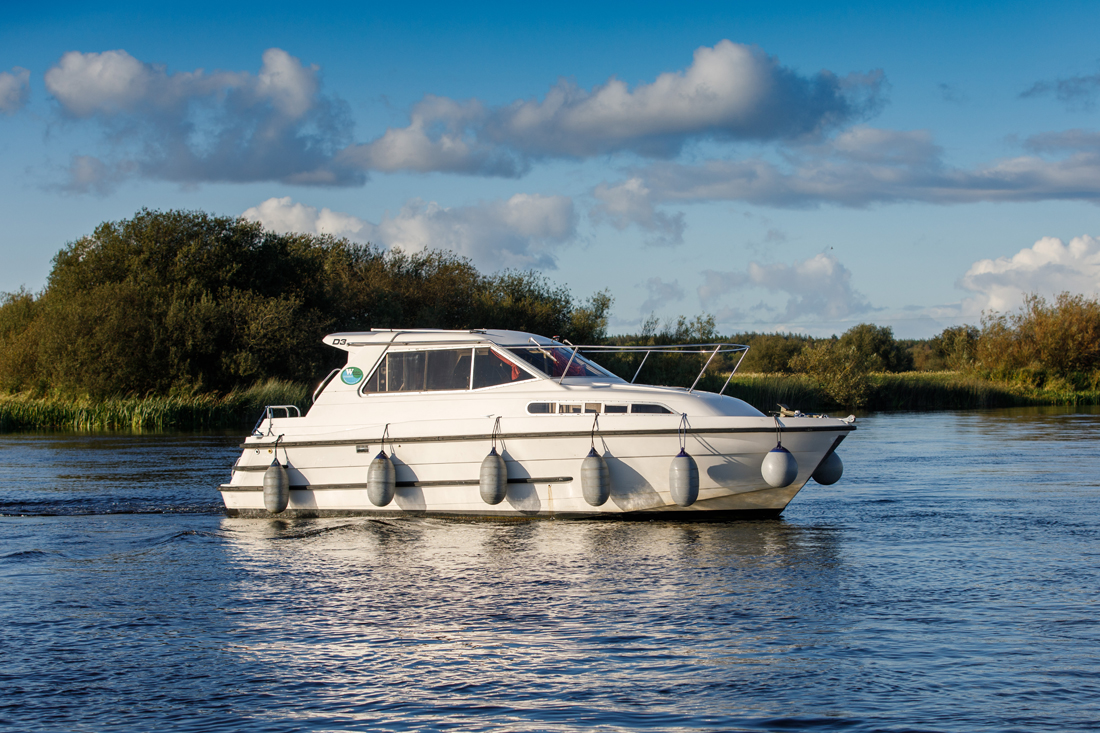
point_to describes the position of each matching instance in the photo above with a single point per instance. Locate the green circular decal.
(352, 375)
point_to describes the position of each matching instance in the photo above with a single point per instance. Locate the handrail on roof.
(718, 348)
(428, 330)
(669, 348)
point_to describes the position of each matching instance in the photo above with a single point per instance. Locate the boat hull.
(438, 474)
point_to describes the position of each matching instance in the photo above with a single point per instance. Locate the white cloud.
(194, 127)
(717, 284)
(729, 92)
(278, 125)
(818, 288)
(1068, 140)
(89, 174)
(109, 82)
(115, 83)
(437, 140)
(291, 87)
(14, 90)
(630, 203)
(285, 216)
(1048, 267)
(661, 294)
(892, 147)
(865, 166)
(519, 232)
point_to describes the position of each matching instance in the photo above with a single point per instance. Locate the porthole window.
(540, 408)
(650, 409)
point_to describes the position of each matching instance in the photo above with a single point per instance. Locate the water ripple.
(949, 582)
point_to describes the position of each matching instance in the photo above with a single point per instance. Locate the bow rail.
(554, 352)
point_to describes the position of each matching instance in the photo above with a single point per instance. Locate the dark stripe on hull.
(641, 516)
(401, 484)
(363, 445)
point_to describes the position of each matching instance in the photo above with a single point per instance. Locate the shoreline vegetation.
(182, 320)
(236, 410)
(239, 410)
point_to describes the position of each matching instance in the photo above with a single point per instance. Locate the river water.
(950, 582)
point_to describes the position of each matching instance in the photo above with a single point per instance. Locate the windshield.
(553, 360)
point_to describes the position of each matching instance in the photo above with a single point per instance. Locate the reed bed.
(237, 409)
(942, 391)
(765, 391)
(955, 391)
(240, 408)
(901, 391)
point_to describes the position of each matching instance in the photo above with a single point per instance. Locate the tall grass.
(947, 391)
(765, 391)
(904, 391)
(238, 409)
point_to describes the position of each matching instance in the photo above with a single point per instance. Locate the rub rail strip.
(400, 484)
(521, 436)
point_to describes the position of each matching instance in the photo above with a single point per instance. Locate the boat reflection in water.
(418, 619)
(500, 424)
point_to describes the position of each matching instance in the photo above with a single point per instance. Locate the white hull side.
(439, 475)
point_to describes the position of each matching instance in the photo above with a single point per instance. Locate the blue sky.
(781, 166)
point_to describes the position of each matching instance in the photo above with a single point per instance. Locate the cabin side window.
(421, 371)
(650, 409)
(405, 371)
(490, 369)
(448, 369)
(370, 384)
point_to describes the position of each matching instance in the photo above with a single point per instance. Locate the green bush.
(772, 353)
(953, 349)
(1043, 342)
(841, 369)
(876, 346)
(18, 342)
(842, 366)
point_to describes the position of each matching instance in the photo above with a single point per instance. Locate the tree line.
(183, 302)
(1045, 345)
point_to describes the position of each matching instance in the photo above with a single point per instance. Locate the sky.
(799, 167)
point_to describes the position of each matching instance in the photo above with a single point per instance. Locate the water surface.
(948, 582)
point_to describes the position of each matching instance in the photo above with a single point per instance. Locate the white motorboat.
(504, 424)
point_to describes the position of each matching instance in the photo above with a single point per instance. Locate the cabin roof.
(348, 340)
